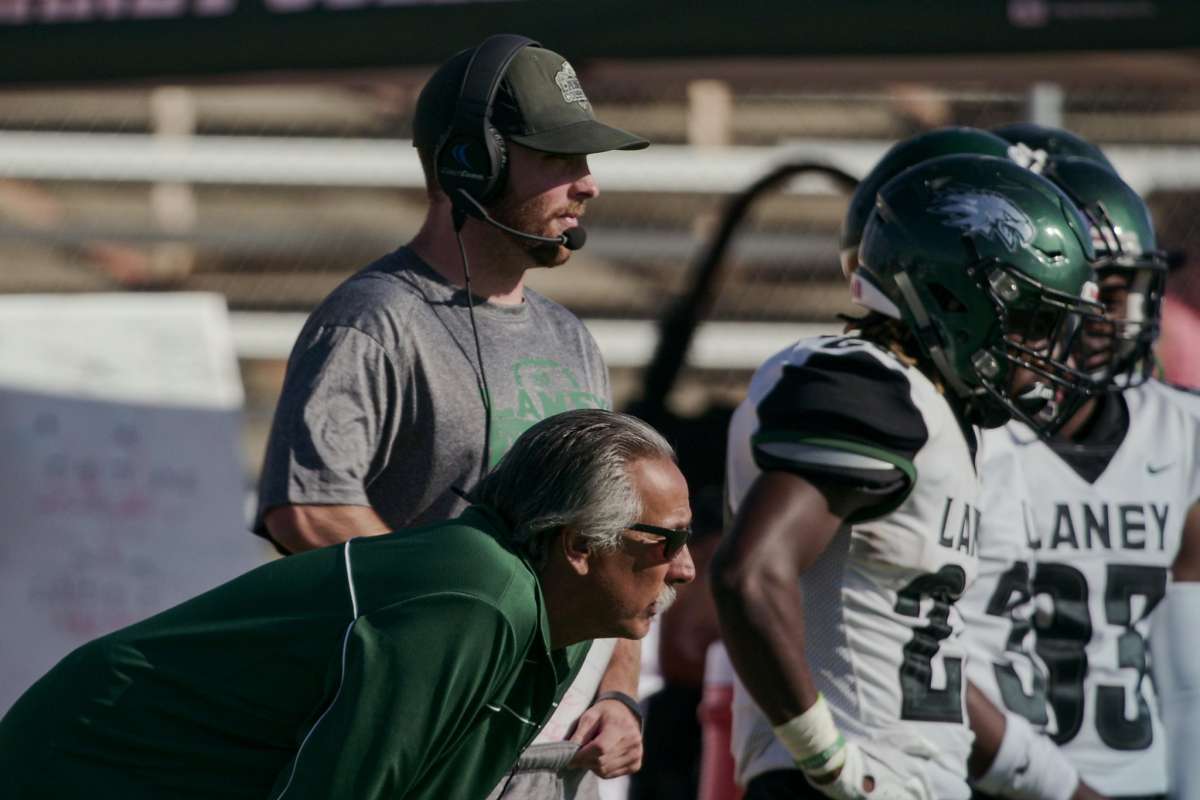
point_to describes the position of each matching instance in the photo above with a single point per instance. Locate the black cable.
(679, 324)
(512, 773)
(487, 396)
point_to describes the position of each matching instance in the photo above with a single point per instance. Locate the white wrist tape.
(1174, 641)
(814, 740)
(1028, 766)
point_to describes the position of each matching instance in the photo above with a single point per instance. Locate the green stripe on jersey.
(906, 466)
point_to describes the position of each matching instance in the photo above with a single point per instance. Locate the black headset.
(471, 156)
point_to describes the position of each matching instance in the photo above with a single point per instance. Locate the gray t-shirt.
(383, 405)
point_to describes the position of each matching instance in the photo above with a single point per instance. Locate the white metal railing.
(393, 162)
(372, 162)
(624, 343)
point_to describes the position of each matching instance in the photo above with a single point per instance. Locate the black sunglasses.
(677, 538)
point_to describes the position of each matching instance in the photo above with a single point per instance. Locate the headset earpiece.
(465, 163)
(472, 156)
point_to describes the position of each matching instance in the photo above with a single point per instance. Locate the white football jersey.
(882, 635)
(998, 607)
(1104, 549)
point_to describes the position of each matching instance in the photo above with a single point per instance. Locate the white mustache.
(664, 600)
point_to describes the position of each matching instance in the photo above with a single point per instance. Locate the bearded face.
(545, 194)
(535, 215)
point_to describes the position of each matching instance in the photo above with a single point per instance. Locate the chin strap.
(1036, 399)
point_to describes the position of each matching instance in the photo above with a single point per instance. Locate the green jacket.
(412, 665)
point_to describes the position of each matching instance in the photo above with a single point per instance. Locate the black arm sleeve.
(847, 419)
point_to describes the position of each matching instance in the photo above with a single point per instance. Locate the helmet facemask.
(989, 265)
(1118, 351)
(1029, 367)
(1032, 339)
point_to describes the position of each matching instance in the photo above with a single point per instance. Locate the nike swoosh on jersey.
(1154, 469)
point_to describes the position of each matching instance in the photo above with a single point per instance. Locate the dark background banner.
(90, 40)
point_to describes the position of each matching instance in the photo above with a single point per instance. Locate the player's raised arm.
(1009, 758)
(1176, 667)
(784, 525)
(800, 474)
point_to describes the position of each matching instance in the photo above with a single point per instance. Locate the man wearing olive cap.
(418, 372)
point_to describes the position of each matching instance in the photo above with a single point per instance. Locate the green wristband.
(822, 758)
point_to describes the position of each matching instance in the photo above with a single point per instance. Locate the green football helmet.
(901, 156)
(1052, 142)
(989, 266)
(1131, 271)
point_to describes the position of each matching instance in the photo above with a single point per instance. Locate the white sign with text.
(121, 482)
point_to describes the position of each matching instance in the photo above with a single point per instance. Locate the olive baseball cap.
(539, 104)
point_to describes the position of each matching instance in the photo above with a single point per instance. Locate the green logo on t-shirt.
(544, 388)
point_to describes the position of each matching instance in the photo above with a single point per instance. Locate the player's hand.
(864, 778)
(610, 740)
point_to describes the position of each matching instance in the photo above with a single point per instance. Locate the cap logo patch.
(568, 84)
(978, 212)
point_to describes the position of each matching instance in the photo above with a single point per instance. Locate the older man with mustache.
(417, 664)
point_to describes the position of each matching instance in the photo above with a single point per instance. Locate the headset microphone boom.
(572, 238)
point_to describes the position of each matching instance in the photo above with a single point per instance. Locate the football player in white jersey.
(1007, 694)
(1112, 520)
(998, 608)
(852, 476)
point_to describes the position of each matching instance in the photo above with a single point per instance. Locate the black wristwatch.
(626, 701)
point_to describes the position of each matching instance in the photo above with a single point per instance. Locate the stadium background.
(258, 150)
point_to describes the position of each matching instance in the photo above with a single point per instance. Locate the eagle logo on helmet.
(978, 212)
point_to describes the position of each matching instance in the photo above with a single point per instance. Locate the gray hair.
(571, 469)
